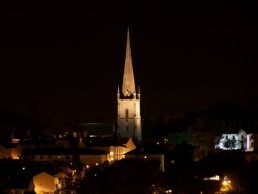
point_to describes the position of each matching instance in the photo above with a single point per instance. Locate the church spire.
(128, 80)
(128, 104)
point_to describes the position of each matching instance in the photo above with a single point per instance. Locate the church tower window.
(126, 114)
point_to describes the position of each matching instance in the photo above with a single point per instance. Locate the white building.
(239, 141)
(128, 102)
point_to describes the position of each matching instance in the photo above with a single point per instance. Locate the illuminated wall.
(239, 141)
(118, 152)
(129, 118)
(45, 183)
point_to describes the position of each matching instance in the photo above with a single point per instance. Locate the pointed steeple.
(128, 80)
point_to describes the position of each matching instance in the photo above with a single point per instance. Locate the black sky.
(65, 62)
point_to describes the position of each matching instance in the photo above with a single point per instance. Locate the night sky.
(65, 62)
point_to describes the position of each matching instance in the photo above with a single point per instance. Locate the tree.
(220, 118)
(206, 129)
(124, 176)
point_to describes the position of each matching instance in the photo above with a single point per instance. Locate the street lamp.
(226, 185)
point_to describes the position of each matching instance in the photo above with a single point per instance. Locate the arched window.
(126, 113)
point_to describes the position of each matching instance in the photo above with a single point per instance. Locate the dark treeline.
(135, 176)
(220, 117)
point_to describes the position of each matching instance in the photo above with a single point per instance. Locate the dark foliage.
(125, 176)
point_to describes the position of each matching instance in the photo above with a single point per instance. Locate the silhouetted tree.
(221, 117)
(125, 176)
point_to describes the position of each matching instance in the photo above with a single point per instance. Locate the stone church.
(129, 123)
(128, 102)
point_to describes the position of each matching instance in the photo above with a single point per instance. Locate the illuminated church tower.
(128, 102)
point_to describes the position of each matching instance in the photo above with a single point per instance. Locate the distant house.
(63, 142)
(83, 155)
(11, 152)
(148, 153)
(91, 156)
(117, 151)
(48, 154)
(16, 152)
(239, 141)
(100, 153)
(46, 183)
(86, 155)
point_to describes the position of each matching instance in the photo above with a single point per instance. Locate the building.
(128, 102)
(153, 153)
(239, 141)
(92, 133)
(48, 154)
(46, 183)
(92, 155)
